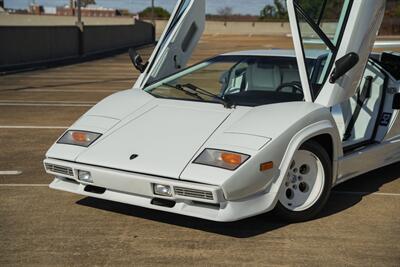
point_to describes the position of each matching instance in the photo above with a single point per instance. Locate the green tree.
(268, 12)
(159, 13)
(276, 11)
(397, 11)
(281, 10)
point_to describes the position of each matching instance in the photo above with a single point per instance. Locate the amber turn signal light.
(266, 166)
(80, 136)
(231, 158)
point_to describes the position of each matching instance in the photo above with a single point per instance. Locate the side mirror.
(137, 60)
(343, 65)
(396, 101)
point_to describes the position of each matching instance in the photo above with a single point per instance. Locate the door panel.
(178, 41)
(358, 116)
(353, 28)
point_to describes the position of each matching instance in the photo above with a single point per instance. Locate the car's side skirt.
(367, 159)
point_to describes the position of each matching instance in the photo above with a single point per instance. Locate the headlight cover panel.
(79, 138)
(228, 160)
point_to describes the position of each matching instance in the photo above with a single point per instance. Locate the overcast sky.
(239, 6)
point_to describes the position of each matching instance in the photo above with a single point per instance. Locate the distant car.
(242, 133)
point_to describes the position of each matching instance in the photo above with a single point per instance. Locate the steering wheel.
(296, 87)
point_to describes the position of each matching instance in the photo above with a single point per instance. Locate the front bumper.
(199, 200)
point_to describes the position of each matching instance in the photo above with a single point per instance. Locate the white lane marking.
(364, 193)
(32, 127)
(47, 102)
(24, 185)
(10, 172)
(46, 105)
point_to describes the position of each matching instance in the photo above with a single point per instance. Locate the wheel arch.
(325, 140)
(325, 133)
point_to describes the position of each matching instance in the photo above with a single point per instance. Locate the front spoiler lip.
(141, 195)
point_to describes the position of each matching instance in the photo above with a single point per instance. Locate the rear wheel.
(307, 185)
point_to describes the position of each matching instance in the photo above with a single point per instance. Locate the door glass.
(321, 26)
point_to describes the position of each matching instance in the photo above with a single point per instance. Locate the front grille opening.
(214, 206)
(59, 169)
(95, 189)
(193, 193)
(163, 202)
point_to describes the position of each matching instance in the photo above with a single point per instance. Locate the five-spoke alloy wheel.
(307, 184)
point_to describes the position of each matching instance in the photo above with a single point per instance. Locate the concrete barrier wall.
(102, 38)
(34, 44)
(26, 46)
(246, 28)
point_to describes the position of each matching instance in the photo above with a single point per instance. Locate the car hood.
(162, 141)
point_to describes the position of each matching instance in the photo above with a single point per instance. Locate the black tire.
(310, 213)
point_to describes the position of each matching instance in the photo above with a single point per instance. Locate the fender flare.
(311, 131)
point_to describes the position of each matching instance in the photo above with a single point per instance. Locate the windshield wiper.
(227, 103)
(188, 92)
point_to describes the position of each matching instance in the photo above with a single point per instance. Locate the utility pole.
(152, 13)
(80, 26)
(78, 12)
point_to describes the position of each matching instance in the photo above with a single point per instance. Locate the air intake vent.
(59, 169)
(193, 193)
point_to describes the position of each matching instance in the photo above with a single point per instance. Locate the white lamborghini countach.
(246, 132)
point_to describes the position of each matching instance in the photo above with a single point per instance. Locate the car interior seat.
(263, 77)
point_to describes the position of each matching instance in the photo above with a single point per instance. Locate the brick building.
(87, 11)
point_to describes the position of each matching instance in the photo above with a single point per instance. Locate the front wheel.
(307, 185)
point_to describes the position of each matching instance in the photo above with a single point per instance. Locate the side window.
(357, 117)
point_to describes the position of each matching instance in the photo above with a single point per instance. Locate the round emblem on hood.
(133, 156)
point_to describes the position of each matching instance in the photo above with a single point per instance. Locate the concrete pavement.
(359, 227)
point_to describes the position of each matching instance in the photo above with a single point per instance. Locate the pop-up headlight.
(222, 159)
(79, 138)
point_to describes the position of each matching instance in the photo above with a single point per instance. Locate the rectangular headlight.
(162, 190)
(78, 138)
(221, 159)
(85, 176)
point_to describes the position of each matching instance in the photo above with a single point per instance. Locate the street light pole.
(80, 26)
(78, 11)
(152, 13)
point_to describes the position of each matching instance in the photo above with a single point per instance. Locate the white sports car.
(246, 132)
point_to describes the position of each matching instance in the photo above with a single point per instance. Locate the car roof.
(313, 54)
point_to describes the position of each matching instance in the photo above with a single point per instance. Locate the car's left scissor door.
(177, 43)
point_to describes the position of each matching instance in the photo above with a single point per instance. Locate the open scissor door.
(338, 27)
(177, 43)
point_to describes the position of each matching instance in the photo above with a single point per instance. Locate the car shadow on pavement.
(343, 197)
(352, 192)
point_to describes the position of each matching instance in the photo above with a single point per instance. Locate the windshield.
(239, 80)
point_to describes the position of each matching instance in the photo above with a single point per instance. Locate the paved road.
(38, 226)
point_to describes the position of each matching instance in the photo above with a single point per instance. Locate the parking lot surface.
(359, 227)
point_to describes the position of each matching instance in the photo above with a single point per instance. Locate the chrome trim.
(193, 193)
(59, 169)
